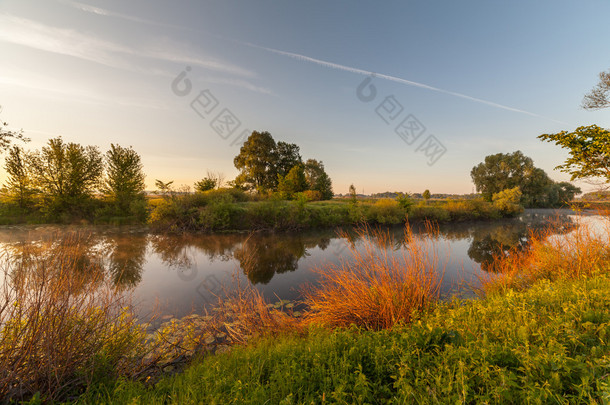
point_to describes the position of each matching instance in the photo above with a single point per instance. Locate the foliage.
(256, 161)
(164, 188)
(288, 156)
(7, 136)
(386, 211)
(599, 95)
(589, 149)
(124, 180)
(205, 184)
(507, 201)
(19, 183)
(404, 201)
(294, 182)
(426, 195)
(318, 179)
(66, 173)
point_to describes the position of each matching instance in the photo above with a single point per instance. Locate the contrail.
(397, 80)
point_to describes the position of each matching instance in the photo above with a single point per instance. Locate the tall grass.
(61, 326)
(377, 288)
(581, 252)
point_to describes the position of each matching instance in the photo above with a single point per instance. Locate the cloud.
(65, 41)
(395, 79)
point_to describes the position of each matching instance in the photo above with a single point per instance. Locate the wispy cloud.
(395, 79)
(65, 41)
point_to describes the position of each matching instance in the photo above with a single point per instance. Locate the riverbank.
(546, 344)
(549, 298)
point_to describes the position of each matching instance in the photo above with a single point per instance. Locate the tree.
(257, 162)
(599, 96)
(124, 180)
(318, 179)
(294, 182)
(507, 201)
(205, 184)
(67, 172)
(589, 149)
(287, 155)
(426, 195)
(19, 182)
(7, 136)
(500, 172)
(352, 192)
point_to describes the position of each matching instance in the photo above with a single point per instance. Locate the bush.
(386, 211)
(429, 213)
(507, 201)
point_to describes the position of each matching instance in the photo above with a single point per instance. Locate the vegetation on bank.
(232, 209)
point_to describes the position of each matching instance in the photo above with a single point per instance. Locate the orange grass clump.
(385, 282)
(582, 252)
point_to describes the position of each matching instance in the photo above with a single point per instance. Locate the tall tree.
(19, 182)
(288, 156)
(500, 172)
(294, 182)
(589, 149)
(257, 162)
(67, 172)
(599, 96)
(318, 179)
(124, 181)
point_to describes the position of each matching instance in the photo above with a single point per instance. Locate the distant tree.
(257, 162)
(19, 183)
(66, 172)
(426, 194)
(205, 184)
(352, 191)
(507, 201)
(599, 96)
(288, 156)
(7, 136)
(559, 194)
(589, 149)
(164, 188)
(124, 180)
(318, 179)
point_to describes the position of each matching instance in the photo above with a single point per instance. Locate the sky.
(390, 96)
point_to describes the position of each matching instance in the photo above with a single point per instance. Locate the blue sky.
(482, 77)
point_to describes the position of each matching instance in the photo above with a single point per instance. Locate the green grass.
(548, 344)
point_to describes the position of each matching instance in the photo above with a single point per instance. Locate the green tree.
(294, 182)
(287, 157)
(599, 96)
(67, 173)
(205, 184)
(19, 183)
(426, 195)
(507, 201)
(500, 172)
(318, 179)
(164, 188)
(256, 161)
(589, 149)
(124, 180)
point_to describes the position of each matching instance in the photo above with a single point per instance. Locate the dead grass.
(61, 323)
(581, 252)
(377, 288)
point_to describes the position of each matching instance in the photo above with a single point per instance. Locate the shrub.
(507, 201)
(429, 213)
(386, 211)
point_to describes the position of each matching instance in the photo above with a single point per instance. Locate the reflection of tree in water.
(126, 256)
(487, 244)
(262, 256)
(176, 250)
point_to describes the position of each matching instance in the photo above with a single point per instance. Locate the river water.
(175, 275)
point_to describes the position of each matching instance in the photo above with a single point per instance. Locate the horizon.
(347, 84)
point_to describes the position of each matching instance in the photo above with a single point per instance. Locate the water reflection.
(131, 256)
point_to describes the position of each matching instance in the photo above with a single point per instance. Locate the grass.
(548, 344)
(376, 289)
